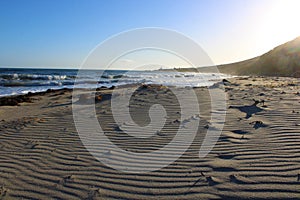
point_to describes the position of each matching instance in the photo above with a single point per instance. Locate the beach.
(256, 156)
(150, 100)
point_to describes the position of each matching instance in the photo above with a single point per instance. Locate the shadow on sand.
(249, 110)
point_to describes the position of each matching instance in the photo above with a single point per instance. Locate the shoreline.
(13, 100)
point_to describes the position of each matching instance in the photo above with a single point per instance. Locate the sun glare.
(280, 23)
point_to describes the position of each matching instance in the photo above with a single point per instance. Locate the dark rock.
(225, 81)
(258, 124)
(14, 100)
(176, 121)
(101, 88)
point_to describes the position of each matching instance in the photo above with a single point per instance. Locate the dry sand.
(256, 157)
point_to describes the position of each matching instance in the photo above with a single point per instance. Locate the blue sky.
(61, 33)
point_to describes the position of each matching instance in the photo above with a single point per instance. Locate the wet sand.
(257, 155)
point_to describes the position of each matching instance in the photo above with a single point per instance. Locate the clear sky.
(61, 33)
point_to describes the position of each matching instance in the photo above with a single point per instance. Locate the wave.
(31, 77)
(20, 81)
(33, 84)
(120, 76)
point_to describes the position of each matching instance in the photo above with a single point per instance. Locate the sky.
(62, 33)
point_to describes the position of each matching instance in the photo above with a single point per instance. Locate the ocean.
(15, 81)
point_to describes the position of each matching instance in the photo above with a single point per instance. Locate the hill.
(283, 60)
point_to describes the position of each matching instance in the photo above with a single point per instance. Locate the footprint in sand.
(3, 191)
(93, 194)
(159, 133)
(240, 179)
(211, 181)
(31, 145)
(226, 156)
(240, 132)
(66, 179)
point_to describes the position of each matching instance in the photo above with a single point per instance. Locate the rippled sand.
(257, 155)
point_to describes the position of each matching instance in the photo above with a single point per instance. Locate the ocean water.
(21, 81)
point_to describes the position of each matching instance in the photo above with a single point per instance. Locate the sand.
(256, 157)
